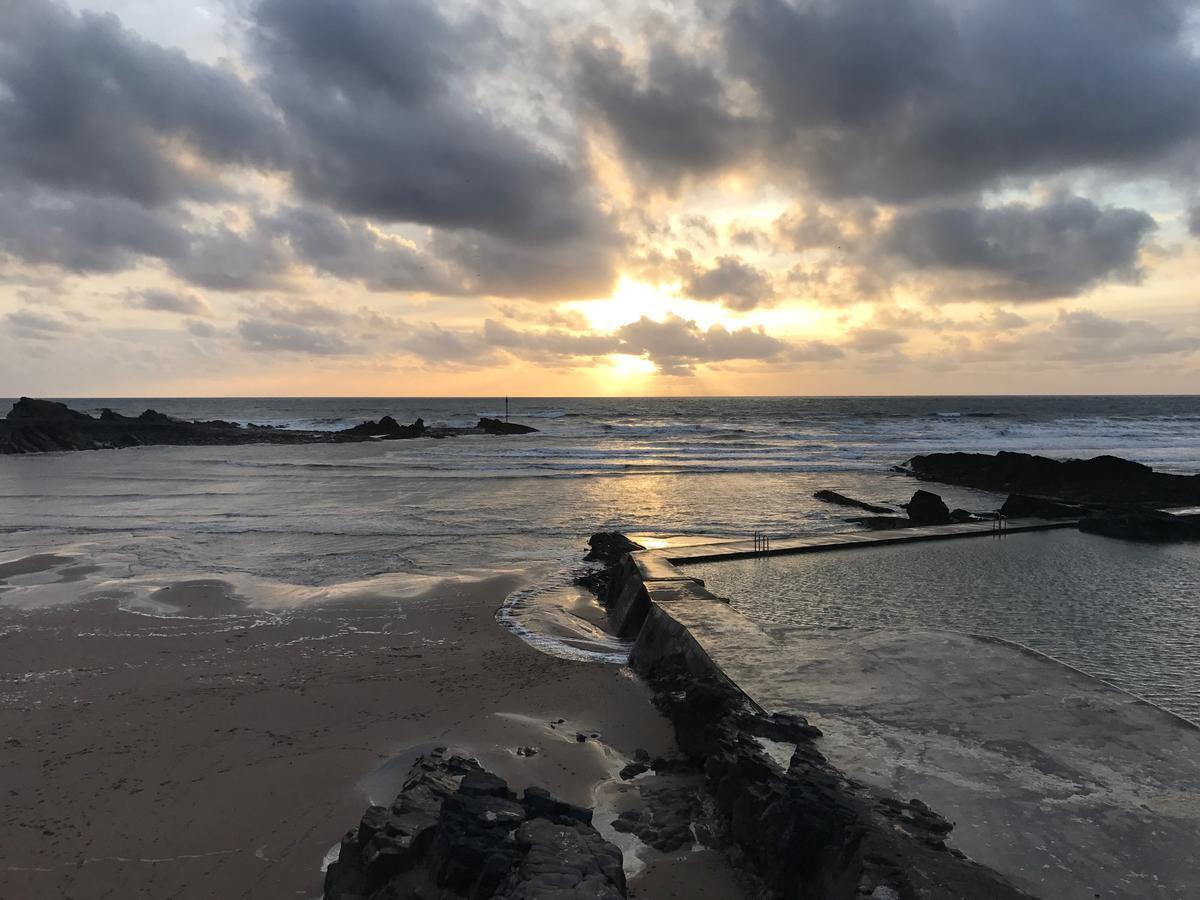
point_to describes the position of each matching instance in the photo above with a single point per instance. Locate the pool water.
(1125, 612)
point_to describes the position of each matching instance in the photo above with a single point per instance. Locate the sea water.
(298, 521)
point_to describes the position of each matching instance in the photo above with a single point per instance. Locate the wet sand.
(222, 751)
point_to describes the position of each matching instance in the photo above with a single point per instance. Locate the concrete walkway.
(716, 550)
(1067, 786)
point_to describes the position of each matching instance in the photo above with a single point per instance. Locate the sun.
(633, 299)
(626, 366)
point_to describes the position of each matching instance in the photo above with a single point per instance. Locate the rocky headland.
(40, 426)
(1111, 496)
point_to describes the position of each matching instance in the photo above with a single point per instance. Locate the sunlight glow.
(626, 366)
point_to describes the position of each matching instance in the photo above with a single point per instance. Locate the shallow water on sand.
(301, 526)
(1121, 611)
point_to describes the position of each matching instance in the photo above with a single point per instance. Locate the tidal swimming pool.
(1125, 612)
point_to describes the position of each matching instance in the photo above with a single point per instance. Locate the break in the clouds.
(762, 185)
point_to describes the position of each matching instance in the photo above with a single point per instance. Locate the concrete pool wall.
(1062, 784)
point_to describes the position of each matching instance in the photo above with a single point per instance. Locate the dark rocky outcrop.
(38, 426)
(1104, 480)
(806, 830)
(1021, 506)
(1148, 527)
(388, 428)
(28, 408)
(926, 508)
(842, 500)
(499, 426)
(609, 546)
(456, 832)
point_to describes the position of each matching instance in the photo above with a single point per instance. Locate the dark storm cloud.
(386, 125)
(905, 98)
(734, 283)
(87, 105)
(671, 121)
(80, 233)
(1023, 252)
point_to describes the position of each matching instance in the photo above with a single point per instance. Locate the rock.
(634, 769)
(1021, 506)
(842, 500)
(387, 428)
(540, 803)
(1147, 527)
(456, 831)
(37, 426)
(927, 509)
(609, 546)
(158, 418)
(45, 411)
(498, 426)
(1103, 480)
(961, 515)
(807, 831)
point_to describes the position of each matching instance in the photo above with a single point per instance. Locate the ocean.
(290, 525)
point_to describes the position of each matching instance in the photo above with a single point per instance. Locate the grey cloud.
(571, 319)
(87, 105)
(200, 329)
(900, 99)
(549, 343)
(382, 131)
(1194, 221)
(349, 249)
(1084, 337)
(274, 335)
(579, 268)
(670, 121)
(28, 323)
(813, 351)
(875, 340)
(222, 259)
(1023, 252)
(80, 233)
(676, 344)
(168, 301)
(433, 343)
(734, 283)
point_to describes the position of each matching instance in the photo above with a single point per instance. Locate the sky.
(682, 197)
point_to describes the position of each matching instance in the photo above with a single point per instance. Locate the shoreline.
(194, 757)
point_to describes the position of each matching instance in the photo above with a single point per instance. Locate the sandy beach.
(221, 753)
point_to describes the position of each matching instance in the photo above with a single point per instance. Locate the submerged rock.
(842, 500)
(1021, 506)
(1146, 527)
(499, 426)
(456, 832)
